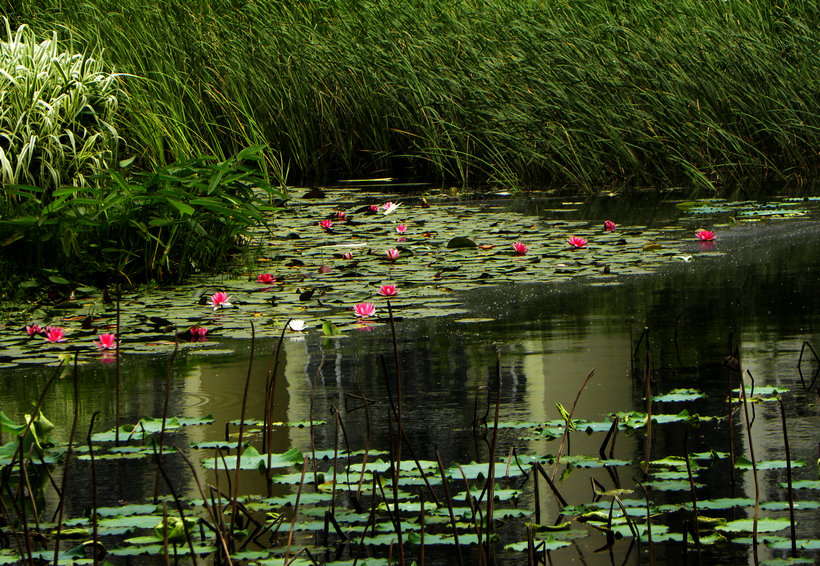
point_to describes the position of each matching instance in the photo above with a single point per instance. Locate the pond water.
(757, 287)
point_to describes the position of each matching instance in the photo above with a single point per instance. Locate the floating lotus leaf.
(677, 395)
(743, 463)
(764, 525)
(251, 459)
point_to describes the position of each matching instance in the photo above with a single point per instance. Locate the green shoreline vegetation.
(550, 93)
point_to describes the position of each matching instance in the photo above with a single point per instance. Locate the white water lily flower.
(297, 325)
(390, 207)
(686, 258)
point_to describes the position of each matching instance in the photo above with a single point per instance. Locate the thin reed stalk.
(568, 424)
(693, 493)
(66, 463)
(235, 492)
(94, 525)
(164, 415)
(792, 530)
(754, 470)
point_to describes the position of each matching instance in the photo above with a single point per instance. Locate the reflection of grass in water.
(348, 496)
(547, 93)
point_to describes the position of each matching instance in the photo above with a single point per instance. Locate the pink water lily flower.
(220, 300)
(609, 225)
(520, 248)
(55, 334)
(374, 208)
(388, 290)
(341, 215)
(364, 309)
(401, 228)
(577, 242)
(198, 331)
(265, 278)
(392, 254)
(326, 224)
(705, 235)
(106, 342)
(34, 329)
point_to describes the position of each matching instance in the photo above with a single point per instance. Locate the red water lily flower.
(198, 331)
(374, 208)
(364, 309)
(106, 342)
(326, 224)
(220, 300)
(705, 235)
(520, 248)
(388, 290)
(265, 278)
(609, 225)
(577, 242)
(392, 254)
(55, 334)
(34, 329)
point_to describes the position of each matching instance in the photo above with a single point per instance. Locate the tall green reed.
(538, 92)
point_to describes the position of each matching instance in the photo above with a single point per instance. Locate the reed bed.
(514, 93)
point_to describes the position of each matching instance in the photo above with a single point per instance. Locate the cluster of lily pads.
(315, 272)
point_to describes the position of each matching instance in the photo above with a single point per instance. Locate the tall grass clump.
(59, 108)
(522, 92)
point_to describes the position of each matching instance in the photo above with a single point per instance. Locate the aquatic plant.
(55, 334)
(520, 248)
(401, 228)
(266, 278)
(106, 341)
(577, 242)
(609, 225)
(705, 235)
(220, 300)
(33, 330)
(326, 224)
(364, 310)
(388, 290)
(392, 254)
(297, 325)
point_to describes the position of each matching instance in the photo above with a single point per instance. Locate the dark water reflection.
(762, 290)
